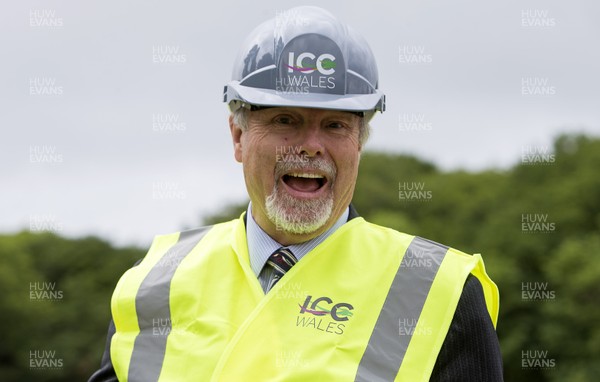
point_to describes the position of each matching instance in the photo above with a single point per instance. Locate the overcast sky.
(113, 125)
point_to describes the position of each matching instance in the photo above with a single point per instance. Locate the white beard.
(300, 216)
(297, 216)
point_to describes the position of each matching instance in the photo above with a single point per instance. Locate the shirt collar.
(261, 245)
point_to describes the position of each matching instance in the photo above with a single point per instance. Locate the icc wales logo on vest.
(323, 314)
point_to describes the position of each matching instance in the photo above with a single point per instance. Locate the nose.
(312, 140)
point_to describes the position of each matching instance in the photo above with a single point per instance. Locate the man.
(301, 288)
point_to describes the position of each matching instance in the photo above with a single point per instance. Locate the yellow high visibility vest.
(367, 304)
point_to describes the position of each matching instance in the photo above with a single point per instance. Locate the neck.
(287, 238)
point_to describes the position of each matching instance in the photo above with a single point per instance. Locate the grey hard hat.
(305, 57)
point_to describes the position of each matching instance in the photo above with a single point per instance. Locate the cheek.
(259, 160)
(347, 165)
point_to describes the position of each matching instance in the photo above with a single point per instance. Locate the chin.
(298, 216)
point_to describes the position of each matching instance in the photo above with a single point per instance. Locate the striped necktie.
(280, 261)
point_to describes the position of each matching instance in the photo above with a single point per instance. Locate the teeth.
(304, 175)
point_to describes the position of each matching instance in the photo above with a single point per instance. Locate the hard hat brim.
(234, 91)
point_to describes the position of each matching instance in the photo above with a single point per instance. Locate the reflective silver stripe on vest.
(152, 307)
(401, 310)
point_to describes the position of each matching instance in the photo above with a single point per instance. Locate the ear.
(236, 136)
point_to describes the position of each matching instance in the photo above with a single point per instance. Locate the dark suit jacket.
(470, 352)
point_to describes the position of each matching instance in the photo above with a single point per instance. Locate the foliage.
(486, 212)
(56, 301)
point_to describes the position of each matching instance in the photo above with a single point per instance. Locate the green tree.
(56, 301)
(484, 212)
(548, 272)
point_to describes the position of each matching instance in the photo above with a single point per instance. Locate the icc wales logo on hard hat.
(307, 62)
(310, 63)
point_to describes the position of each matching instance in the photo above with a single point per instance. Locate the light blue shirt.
(261, 245)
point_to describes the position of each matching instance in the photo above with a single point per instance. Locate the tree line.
(537, 225)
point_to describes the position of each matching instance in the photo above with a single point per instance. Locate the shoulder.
(170, 248)
(196, 233)
(378, 232)
(389, 236)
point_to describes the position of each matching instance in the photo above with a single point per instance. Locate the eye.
(336, 125)
(284, 120)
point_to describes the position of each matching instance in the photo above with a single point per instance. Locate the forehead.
(306, 112)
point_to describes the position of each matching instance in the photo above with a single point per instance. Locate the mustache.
(320, 165)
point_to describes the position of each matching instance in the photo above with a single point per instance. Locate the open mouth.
(304, 183)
